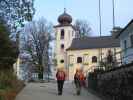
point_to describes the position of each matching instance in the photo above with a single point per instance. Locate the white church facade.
(72, 51)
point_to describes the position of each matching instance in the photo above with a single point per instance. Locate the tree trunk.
(40, 74)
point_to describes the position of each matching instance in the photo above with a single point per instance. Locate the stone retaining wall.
(117, 83)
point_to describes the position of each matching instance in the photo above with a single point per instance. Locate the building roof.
(94, 42)
(60, 25)
(65, 18)
(125, 28)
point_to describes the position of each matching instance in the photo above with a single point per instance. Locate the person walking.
(78, 80)
(61, 76)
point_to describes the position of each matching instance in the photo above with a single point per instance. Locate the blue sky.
(88, 10)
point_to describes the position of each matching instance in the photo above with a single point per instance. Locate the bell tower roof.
(65, 18)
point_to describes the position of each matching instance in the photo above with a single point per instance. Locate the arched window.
(110, 56)
(131, 39)
(94, 59)
(79, 60)
(62, 46)
(62, 61)
(62, 33)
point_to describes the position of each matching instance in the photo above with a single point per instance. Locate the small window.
(62, 34)
(69, 33)
(94, 59)
(125, 44)
(79, 60)
(72, 33)
(62, 46)
(62, 61)
(131, 39)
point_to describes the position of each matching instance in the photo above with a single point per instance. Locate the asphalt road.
(48, 91)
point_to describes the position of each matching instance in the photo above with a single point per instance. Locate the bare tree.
(83, 28)
(37, 44)
(16, 12)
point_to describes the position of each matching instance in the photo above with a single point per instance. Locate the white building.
(84, 52)
(23, 67)
(126, 42)
(64, 33)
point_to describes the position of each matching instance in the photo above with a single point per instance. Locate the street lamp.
(113, 4)
(100, 30)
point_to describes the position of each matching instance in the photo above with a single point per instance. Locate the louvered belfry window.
(62, 34)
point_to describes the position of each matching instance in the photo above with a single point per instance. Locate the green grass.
(1, 98)
(4, 87)
(8, 82)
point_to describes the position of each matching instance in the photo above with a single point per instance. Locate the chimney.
(115, 31)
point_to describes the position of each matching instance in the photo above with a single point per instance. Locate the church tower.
(64, 33)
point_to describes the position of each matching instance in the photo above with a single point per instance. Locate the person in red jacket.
(79, 80)
(61, 76)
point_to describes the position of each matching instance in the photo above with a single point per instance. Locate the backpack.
(81, 77)
(61, 75)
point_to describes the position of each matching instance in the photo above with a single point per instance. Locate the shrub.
(6, 78)
(9, 85)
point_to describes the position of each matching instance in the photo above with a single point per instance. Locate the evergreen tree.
(8, 49)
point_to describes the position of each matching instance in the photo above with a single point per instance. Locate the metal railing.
(118, 59)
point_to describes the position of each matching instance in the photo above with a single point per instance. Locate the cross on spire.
(65, 6)
(64, 10)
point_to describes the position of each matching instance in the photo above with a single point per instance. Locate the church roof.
(94, 43)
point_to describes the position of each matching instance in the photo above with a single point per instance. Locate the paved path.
(48, 91)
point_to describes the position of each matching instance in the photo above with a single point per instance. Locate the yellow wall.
(59, 54)
(86, 65)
